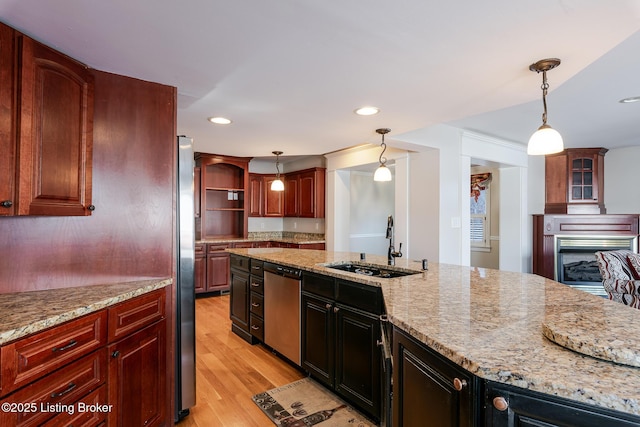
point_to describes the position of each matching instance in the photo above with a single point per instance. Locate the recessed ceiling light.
(219, 120)
(630, 100)
(367, 111)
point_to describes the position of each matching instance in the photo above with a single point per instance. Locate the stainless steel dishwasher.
(282, 310)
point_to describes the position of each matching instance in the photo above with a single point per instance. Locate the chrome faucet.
(392, 254)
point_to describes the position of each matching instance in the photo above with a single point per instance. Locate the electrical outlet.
(317, 226)
(229, 195)
(295, 225)
(262, 225)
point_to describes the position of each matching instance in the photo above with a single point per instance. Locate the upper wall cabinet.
(48, 129)
(263, 202)
(304, 193)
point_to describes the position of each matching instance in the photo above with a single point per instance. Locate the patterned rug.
(306, 403)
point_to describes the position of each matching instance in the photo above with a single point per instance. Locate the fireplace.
(564, 246)
(575, 261)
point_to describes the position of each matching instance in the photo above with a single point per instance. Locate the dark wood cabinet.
(508, 406)
(429, 390)
(224, 205)
(340, 339)
(47, 117)
(256, 300)
(240, 296)
(574, 181)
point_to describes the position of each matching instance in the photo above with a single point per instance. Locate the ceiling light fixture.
(630, 100)
(545, 140)
(277, 184)
(382, 173)
(219, 120)
(367, 111)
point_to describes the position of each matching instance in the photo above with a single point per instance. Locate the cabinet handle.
(255, 304)
(256, 267)
(254, 327)
(115, 354)
(71, 344)
(67, 390)
(336, 309)
(500, 403)
(255, 285)
(6, 203)
(91, 208)
(459, 384)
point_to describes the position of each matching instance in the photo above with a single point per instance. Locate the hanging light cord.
(278, 166)
(383, 160)
(544, 87)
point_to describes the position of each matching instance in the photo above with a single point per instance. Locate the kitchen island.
(490, 323)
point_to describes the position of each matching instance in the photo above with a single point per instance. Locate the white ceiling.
(289, 73)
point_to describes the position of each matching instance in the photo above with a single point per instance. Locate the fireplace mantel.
(547, 227)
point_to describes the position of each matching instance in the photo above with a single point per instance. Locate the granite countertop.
(490, 322)
(274, 236)
(25, 313)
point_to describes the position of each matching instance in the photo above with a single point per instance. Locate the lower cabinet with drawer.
(105, 367)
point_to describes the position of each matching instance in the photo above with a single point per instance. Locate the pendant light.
(277, 184)
(545, 140)
(382, 173)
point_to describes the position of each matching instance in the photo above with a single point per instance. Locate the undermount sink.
(371, 270)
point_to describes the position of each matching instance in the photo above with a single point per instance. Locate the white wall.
(370, 205)
(622, 180)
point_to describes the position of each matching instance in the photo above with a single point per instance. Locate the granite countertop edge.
(299, 241)
(34, 311)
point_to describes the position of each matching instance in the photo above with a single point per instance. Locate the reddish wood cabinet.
(574, 181)
(115, 358)
(217, 268)
(51, 127)
(263, 202)
(304, 193)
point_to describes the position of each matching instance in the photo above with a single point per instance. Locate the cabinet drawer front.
(85, 418)
(257, 267)
(134, 314)
(57, 392)
(257, 284)
(317, 284)
(30, 358)
(358, 295)
(257, 304)
(200, 249)
(240, 262)
(212, 248)
(257, 327)
(241, 245)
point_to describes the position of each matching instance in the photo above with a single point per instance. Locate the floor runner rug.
(306, 403)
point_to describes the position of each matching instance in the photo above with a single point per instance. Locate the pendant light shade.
(382, 173)
(545, 140)
(277, 184)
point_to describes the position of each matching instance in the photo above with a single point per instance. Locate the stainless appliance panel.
(185, 385)
(282, 315)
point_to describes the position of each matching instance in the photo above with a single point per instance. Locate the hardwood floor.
(229, 371)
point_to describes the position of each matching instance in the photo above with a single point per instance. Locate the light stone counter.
(25, 313)
(490, 323)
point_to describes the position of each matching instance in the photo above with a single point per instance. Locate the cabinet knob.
(91, 208)
(328, 306)
(115, 354)
(6, 203)
(336, 309)
(500, 403)
(459, 384)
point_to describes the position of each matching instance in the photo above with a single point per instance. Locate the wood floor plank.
(229, 371)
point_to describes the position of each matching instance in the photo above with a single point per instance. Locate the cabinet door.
(318, 338)
(56, 128)
(291, 202)
(218, 271)
(7, 134)
(424, 388)
(358, 359)
(256, 194)
(137, 375)
(273, 200)
(239, 305)
(307, 184)
(200, 270)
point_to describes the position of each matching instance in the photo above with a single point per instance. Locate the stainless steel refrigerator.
(185, 381)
